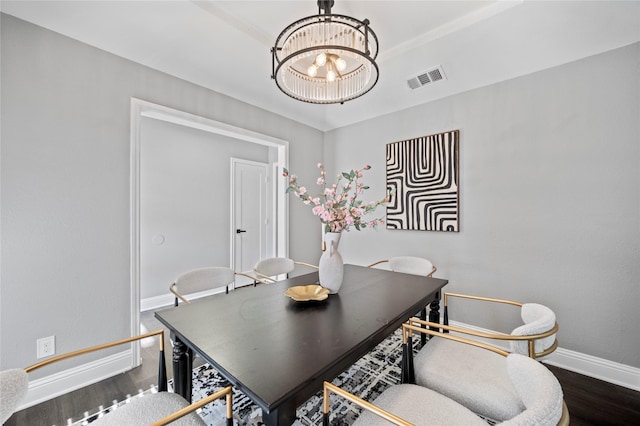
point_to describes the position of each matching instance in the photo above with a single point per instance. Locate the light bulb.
(312, 71)
(341, 64)
(331, 75)
(321, 59)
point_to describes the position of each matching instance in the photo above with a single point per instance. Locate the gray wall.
(550, 187)
(185, 176)
(65, 185)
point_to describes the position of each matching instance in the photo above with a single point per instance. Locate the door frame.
(269, 211)
(279, 209)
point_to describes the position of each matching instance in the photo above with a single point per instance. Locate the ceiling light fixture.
(325, 58)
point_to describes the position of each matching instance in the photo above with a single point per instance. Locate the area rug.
(367, 378)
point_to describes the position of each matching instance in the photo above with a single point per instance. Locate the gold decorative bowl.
(305, 293)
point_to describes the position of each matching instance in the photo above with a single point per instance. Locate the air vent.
(430, 76)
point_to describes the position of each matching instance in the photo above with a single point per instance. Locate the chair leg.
(423, 336)
(162, 373)
(325, 419)
(407, 374)
(446, 317)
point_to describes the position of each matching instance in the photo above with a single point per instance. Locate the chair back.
(412, 265)
(204, 279)
(274, 266)
(537, 319)
(539, 391)
(13, 388)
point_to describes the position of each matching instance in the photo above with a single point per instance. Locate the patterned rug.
(367, 378)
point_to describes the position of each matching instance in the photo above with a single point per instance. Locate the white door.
(250, 215)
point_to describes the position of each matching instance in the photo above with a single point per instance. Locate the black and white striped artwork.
(422, 174)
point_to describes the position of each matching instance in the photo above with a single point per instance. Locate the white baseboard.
(156, 302)
(60, 383)
(588, 365)
(598, 368)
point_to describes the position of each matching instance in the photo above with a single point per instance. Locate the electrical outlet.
(46, 346)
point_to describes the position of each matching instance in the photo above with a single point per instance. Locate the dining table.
(278, 351)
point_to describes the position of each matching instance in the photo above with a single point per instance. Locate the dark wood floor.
(590, 401)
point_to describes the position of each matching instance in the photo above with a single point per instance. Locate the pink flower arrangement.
(338, 206)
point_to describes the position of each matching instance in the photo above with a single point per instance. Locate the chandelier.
(325, 58)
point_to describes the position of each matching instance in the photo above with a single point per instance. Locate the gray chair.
(536, 388)
(158, 408)
(203, 279)
(271, 267)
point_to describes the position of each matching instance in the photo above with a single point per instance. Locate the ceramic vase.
(331, 266)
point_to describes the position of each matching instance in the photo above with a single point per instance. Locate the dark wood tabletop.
(278, 351)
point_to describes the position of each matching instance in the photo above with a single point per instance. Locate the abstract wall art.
(422, 174)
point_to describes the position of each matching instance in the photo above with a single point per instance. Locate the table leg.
(181, 371)
(434, 312)
(284, 415)
(423, 317)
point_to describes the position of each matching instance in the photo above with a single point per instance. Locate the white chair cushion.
(142, 411)
(420, 406)
(537, 319)
(411, 265)
(539, 390)
(13, 388)
(275, 266)
(204, 279)
(472, 376)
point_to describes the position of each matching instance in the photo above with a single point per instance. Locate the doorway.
(278, 159)
(250, 216)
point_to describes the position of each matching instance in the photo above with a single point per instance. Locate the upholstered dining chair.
(203, 279)
(536, 388)
(267, 269)
(410, 265)
(536, 337)
(155, 409)
(475, 377)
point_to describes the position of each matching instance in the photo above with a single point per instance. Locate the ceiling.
(225, 45)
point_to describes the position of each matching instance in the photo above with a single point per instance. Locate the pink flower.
(338, 205)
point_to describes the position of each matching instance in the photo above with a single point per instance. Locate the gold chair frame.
(162, 376)
(271, 280)
(495, 335)
(172, 287)
(430, 274)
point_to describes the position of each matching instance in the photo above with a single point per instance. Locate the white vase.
(331, 267)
